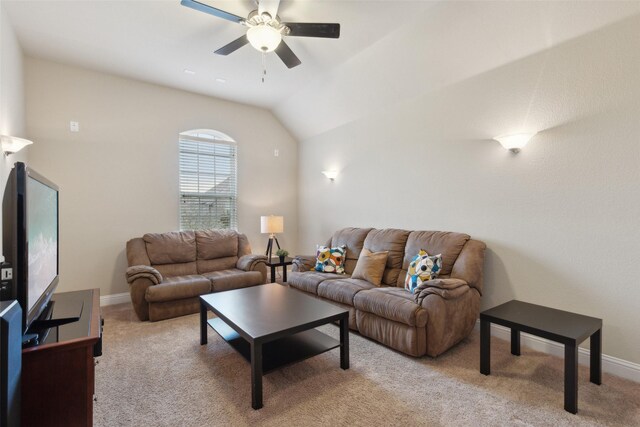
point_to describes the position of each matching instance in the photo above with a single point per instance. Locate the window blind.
(208, 183)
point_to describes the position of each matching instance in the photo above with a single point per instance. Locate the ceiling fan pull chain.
(264, 66)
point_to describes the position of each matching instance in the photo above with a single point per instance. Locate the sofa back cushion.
(137, 252)
(171, 248)
(353, 239)
(393, 241)
(213, 244)
(244, 248)
(447, 243)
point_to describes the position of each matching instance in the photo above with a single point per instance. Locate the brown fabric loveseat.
(167, 272)
(437, 316)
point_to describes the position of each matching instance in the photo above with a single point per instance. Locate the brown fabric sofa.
(438, 315)
(190, 264)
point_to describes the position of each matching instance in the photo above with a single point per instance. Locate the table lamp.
(271, 225)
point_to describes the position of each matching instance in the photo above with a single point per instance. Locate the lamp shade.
(264, 37)
(271, 224)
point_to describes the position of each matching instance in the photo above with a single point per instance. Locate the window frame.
(214, 138)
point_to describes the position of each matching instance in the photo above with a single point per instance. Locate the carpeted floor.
(157, 374)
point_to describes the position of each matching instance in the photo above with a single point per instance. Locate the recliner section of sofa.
(437, 316)
(192, 263)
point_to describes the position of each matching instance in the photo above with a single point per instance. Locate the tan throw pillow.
(370, 266)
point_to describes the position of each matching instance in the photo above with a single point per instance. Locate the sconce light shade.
(271, 224)
(514, 142)
(12, 144)
(331, 174)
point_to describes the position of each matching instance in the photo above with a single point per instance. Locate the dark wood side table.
(560, 326)
(275, 262)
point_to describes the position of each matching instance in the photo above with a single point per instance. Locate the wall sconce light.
(331, 174)
(12, 144)
(514, 142)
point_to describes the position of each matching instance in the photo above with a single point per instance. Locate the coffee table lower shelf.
(280, 352)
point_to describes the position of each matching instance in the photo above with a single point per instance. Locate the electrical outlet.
(74, 126)
(6, 274)
(276, 152)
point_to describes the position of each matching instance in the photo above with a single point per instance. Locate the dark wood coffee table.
(560, 326)
(272, 326)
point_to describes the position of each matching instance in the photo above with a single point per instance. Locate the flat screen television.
(30, 239)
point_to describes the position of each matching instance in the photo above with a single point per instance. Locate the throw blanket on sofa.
(143, 271)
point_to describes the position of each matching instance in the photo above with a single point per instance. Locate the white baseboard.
(611, 365)
(115, 299)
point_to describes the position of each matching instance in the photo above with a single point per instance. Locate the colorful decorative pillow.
(423, 267)
(370, 266)
(330, 260)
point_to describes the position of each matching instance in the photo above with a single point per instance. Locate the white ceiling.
(389, 51)
(156, 40)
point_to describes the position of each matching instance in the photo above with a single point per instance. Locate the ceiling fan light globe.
(264, 38)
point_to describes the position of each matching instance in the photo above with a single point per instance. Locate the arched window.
(208, 180)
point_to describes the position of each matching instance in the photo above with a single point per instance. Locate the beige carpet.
(157, 374)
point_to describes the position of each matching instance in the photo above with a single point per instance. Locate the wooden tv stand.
(58, 373)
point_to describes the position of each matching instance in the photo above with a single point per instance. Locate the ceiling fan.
(266, 30)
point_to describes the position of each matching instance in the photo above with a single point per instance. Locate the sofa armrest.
(446, 288)
(143, 271)
(304, 263)
(253, 262)
(250, 262)
(138, 289)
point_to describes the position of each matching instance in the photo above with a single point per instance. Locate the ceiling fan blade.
(303, 29)
(286, 54)
(233, 46)
(269, 6)
(201, 7)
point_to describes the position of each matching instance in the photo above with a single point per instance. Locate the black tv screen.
(30, 240)
(42, 235)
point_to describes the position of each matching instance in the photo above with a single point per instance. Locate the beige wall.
(119, 175)
(11, 97)
(561, 219)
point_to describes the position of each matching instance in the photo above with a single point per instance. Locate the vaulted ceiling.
(389, 50)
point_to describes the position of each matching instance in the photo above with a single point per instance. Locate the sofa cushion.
(391, 303)
(225, 280)
(179, 287)
(435, 242)
(423, 267)
(308, 281)
(208, 265)
(170, 248)
(342, 290)
(353, 239)
(394, 242)
(370, 266)
(212, 244)
(179, 269)
(330, 260)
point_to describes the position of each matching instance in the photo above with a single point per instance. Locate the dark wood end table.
(560, 326)
(275, 262)
(272, 326)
